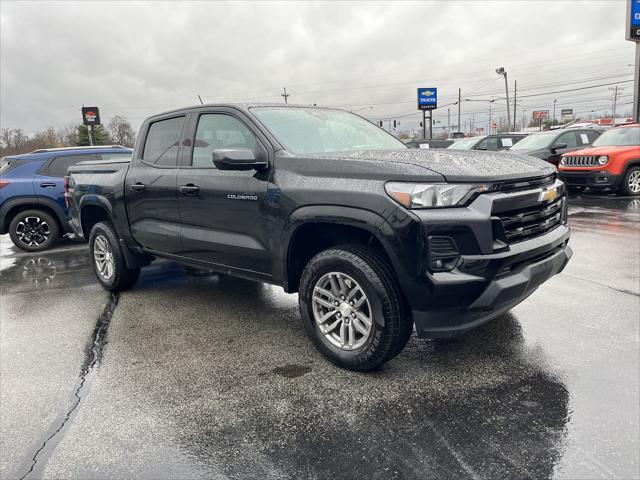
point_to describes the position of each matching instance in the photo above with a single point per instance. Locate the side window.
(163, 141)
(568, 138)
(216, 130)
(490, 143)
(59, 165)
(591, 136)
(506, 142)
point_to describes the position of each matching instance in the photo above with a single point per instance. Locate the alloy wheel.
(33, 231)
(634, 181)
(342, 311)
(103, 257)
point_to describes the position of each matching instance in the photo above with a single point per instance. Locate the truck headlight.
(434, 195)
(603, 159)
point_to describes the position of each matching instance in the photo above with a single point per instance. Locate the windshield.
(618, 137)
(535, 141)
(316, 130)
(465, 143)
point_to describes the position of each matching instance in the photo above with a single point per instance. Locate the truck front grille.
(520, 225)
(581, 161)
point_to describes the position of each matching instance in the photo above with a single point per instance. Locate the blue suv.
(32, 204)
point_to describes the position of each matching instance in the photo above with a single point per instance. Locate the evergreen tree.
(98, 134)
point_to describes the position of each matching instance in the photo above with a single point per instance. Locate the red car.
(612, 162)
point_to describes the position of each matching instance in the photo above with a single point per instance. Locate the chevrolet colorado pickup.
(375, 237)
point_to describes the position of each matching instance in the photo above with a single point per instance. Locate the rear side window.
(59, 165)
(163, 142)
(592, 136)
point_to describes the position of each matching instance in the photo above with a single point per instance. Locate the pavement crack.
(92, 360)
(621, 290)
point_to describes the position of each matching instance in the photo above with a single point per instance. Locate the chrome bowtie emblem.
(548, 194)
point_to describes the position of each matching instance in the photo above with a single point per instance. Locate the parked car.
(497, 141)
(32, 205)
(374, 236)
(612, 162)
(429, 143)
(550, 145)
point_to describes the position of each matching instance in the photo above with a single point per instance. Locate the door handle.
(137, 187)
(189, 189)
(47, 185)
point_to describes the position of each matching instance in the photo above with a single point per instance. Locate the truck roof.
(241, 106)
(64, 149)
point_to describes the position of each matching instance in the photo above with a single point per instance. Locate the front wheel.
(631, 182)
(108, 261)
(352, 307)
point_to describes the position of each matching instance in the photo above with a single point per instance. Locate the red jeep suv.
(612, 161)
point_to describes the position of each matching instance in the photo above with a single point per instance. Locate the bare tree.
(121, 132)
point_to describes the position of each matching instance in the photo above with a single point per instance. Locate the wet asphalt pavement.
(192, 375)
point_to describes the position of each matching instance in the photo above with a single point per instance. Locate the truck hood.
(604, 150)
(456, 166)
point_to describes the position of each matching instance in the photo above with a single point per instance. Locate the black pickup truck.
(375, 237)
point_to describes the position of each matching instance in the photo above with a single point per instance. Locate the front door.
(223, 212)
(150, 188)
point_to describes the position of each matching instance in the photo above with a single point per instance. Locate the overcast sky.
(136, 59)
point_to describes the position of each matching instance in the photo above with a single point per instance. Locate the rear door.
(49, 182)
(224, 212)
(150, 187)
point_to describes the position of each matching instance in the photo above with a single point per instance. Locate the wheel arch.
(14, 206)
(313, 229)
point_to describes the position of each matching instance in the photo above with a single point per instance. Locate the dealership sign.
(90, 116)
(566, 114)
(427, 98)
(540, 114)
(633, 21)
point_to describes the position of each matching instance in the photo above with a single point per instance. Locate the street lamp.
(501, 71)
(554, 110)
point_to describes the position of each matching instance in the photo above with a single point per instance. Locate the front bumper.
(590, 178)
(523, 270)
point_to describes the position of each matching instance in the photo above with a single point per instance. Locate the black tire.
(122, 278)
(625, 186)
(44, 227)
(375, 276)
(575, 188)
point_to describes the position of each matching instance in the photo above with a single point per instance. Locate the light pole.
(501, 71)
(554, 110)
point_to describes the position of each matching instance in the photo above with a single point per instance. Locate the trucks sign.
(427, 98)
(566, 114)
(540, 114)
(90, 116)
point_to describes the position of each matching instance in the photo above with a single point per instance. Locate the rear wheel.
(34, 230)
(108, 261)
(631, 182)
(353, 309)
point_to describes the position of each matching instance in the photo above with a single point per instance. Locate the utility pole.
(459, 106)
(285, 94)
(554, 110)
(448, 120)
(515, 93)
(615, 102)
(501, 71)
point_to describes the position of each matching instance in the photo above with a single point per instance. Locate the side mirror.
(558, 146)
(236, 159)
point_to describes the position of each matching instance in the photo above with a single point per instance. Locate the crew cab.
(552, 144)
(375, 237)
(612, 162)
(32, 205)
